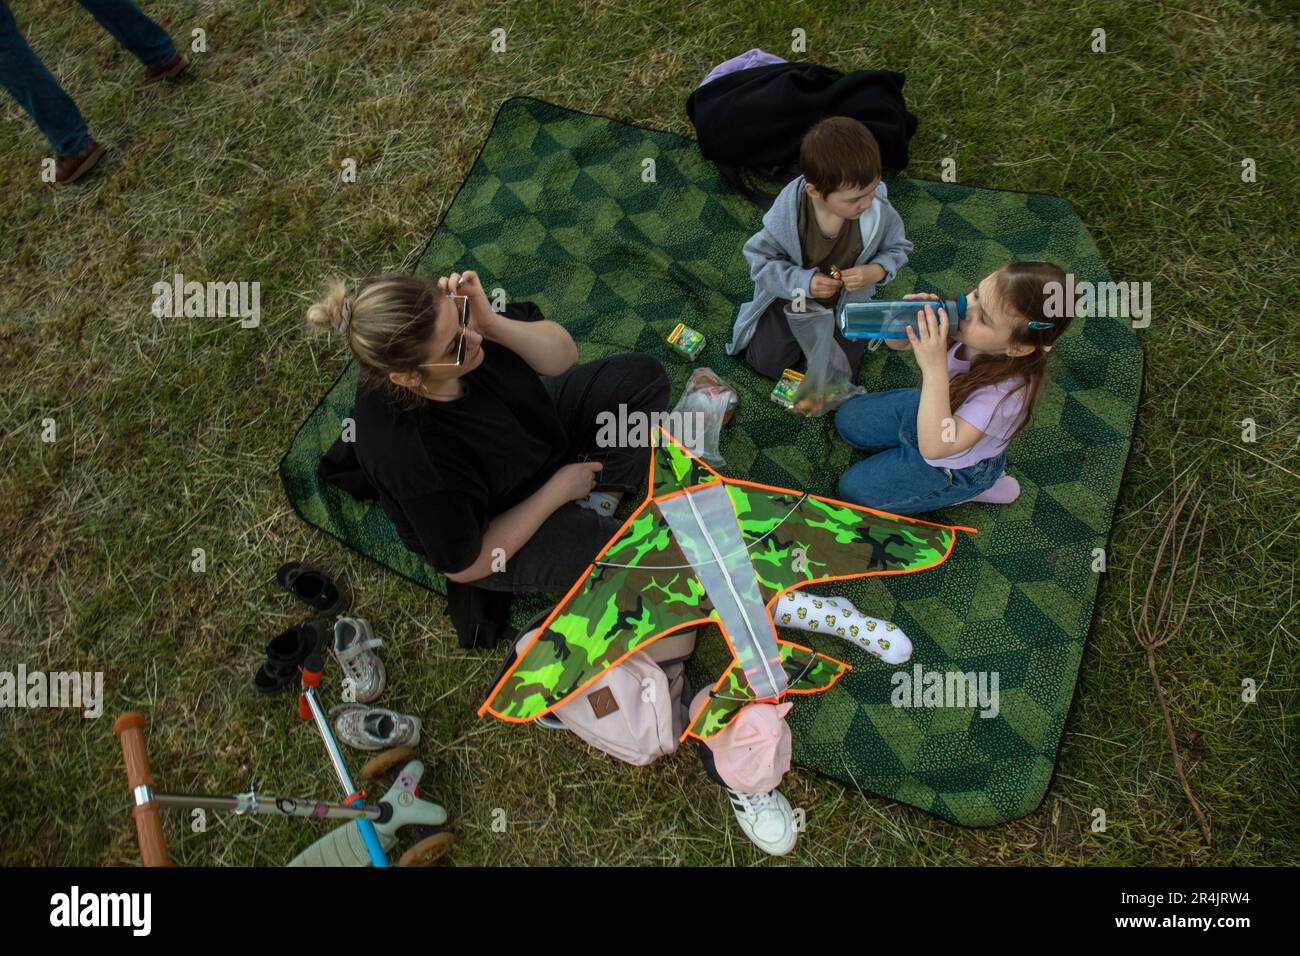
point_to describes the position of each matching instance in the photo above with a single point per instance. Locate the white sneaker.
(766, 818)
(374, 728)
(363, 671)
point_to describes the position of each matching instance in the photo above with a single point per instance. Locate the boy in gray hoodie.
(830, 237)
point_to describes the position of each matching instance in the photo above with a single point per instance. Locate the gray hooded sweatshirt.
(775, 257)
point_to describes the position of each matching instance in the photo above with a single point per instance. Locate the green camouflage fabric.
(554, 210)
(641, 587)
(831, 539)
(808, 672)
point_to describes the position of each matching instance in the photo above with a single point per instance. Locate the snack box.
(686, 340)
(785, 389)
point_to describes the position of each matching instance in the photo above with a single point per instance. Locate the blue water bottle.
(889, 319)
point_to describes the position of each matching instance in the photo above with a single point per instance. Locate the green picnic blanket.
(561, 208)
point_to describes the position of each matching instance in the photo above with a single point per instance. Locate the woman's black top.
(444, 470)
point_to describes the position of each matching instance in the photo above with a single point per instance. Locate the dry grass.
(169, 429)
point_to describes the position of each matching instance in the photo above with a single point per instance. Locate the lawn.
(168, 430)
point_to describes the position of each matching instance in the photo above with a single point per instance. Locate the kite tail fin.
(808, 672)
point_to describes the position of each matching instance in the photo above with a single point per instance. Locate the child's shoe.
(1003, 491)
(766, 818)
(363, 671)
(315, 587)
(286, 653)
(374, 728)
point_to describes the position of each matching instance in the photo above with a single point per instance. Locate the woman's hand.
(481, 315)
(930, 341)
(576, 481)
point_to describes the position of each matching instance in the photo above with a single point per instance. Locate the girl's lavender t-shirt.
(994, 409)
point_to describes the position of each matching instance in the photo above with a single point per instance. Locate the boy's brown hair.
(837, 153)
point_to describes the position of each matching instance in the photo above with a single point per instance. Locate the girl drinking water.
(946, 442)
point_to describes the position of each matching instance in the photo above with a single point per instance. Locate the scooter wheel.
(379, 765)
(427, 850)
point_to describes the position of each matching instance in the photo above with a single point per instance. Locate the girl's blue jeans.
(897, 478)
(37, 91)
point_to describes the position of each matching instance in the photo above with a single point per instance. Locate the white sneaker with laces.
(363, 671)
(766, 818)
(374, 728)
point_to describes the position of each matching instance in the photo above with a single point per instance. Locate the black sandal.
(286, 652)
(313, 586)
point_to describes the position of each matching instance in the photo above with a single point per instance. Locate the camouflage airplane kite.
(706, 549)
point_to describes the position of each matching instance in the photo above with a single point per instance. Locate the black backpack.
(751, 122)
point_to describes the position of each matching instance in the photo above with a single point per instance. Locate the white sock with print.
(838, 616)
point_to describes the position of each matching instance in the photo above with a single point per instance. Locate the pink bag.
(634, 711)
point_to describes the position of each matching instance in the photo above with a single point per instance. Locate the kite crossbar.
(682, 567)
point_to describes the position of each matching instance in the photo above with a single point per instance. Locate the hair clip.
(1039, 326)
(346, 319)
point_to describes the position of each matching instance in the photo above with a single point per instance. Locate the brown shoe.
(75, 165)
(165, 71)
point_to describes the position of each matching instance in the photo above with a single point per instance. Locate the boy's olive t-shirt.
(821, 251)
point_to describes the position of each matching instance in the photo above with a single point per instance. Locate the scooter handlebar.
(148, 824)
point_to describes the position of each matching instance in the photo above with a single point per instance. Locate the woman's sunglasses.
(460, 302)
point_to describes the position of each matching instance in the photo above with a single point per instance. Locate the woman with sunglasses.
(478, 433)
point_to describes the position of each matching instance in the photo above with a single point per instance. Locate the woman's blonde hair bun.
(331, 311)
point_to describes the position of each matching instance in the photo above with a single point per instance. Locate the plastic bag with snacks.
(707, 403)
(828, 382)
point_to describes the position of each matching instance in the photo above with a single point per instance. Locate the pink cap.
(752, 753)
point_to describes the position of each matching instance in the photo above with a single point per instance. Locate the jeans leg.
(37, 91)
(898, 481)
(902, 482)
(981, 476)
(142, 37)
(878, 420)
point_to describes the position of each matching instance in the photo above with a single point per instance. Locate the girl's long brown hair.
(1023, 289)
